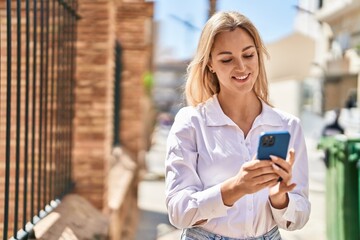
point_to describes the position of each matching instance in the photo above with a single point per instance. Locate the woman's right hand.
(252, 177)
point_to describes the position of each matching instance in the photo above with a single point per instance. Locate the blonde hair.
(201, 84)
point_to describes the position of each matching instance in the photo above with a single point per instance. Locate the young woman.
(215, 186)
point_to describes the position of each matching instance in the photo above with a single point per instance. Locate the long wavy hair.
(201, 83)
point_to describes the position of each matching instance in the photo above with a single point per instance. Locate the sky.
(181, 21)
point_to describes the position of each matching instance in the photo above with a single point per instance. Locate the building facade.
(342, 61)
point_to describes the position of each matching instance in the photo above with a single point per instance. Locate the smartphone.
(273, 143)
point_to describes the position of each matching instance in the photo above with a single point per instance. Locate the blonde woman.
(215, 186)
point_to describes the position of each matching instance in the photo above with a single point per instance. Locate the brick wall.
(93, 104)
(102, 23)
(133, 30)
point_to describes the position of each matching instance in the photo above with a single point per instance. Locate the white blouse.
(205, 148)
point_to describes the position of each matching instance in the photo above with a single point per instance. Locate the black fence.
(37, 69)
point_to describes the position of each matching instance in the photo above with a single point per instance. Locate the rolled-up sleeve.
(186, 199)
(298, 210)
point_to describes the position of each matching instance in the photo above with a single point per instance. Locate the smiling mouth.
(241, 78)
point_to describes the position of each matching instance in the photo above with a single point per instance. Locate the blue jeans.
(197, 233)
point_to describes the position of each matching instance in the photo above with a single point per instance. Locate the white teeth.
(241, 78)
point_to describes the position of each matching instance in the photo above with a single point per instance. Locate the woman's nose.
(240, 64)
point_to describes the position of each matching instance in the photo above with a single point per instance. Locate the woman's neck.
(242, 110)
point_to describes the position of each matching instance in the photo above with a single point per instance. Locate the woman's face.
(234, 59)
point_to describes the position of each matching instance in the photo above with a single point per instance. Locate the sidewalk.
(154, 222)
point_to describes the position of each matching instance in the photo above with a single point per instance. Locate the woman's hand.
(252, 177)
(278, 193)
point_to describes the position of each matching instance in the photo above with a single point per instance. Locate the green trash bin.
(342, 187)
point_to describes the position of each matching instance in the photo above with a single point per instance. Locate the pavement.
(154, 223)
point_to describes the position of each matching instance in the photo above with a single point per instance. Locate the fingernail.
(273, 157)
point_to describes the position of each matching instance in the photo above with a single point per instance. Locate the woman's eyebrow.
(246, 48)
(224, 52)
(228, 52)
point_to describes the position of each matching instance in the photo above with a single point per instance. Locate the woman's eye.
(248, 56)
(226, 60)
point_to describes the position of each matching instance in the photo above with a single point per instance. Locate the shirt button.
(250, 208)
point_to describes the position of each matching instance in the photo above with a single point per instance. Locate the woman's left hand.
(278, 193)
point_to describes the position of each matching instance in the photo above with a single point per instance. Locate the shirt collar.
(214, 114)
(216, 117)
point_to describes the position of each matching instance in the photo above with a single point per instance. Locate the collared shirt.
(205, 148)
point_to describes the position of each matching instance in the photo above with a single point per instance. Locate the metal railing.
(37, 67)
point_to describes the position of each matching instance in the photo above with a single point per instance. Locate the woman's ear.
(210, 67)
